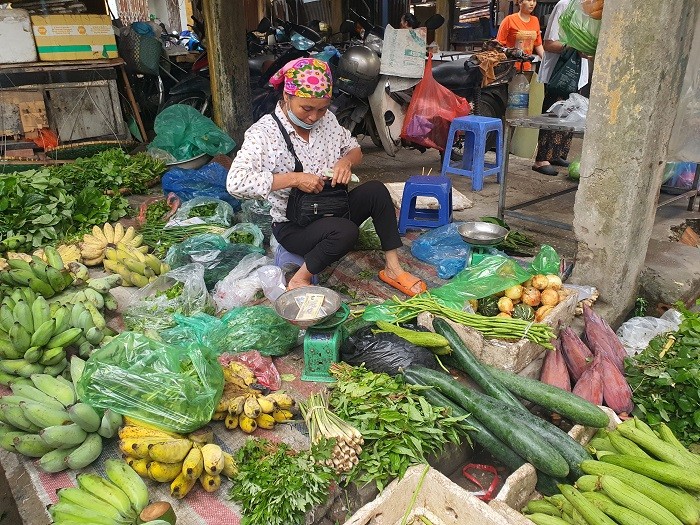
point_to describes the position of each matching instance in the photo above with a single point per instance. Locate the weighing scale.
(322, 346)
(481, 237)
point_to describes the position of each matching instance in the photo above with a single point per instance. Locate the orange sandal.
(404, 282)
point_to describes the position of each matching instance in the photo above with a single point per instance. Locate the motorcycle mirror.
(348, 26)
(434, 21)
(264, 25)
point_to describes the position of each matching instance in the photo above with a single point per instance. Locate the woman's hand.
(309, 182)
(342, 171)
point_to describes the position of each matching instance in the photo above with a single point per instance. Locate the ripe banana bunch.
(46, 279)
(116, 500)
(44, 419)
(68, 252)
(93, 247)
(172, 458)
(135, 267)
(253, 410)
(33, 336)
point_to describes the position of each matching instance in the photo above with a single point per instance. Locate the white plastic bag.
(636, 333)
(573, 109)
(241, 285)
(272, 281)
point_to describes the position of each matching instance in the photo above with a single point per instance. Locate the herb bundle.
(665, 379)
(276, 485)
(398, 425)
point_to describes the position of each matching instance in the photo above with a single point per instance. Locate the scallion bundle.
(324, 424)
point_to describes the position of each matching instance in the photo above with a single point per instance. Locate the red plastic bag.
(432, 109)
(264, 369)
(172, 200)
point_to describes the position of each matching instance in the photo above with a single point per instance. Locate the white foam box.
(17, 38)
(514, 356)
(435, 497)
(519, 487)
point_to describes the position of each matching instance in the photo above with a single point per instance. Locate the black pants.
(327, 240)
(552, 144)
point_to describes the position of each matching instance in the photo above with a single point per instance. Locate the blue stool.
(439, 187)
(476, 130)
(284, 258)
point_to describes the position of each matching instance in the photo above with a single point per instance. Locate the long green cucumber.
(470, 365)
(681, 504)
(571, 406)
(620, 514)
(622, 494)
(592, 514)
(658, 470)
(523, 440)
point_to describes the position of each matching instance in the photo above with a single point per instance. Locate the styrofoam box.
(436, 497)
(519, 487)
(513, 356)
(18, 40)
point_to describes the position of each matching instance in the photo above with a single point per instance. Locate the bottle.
(518, 97)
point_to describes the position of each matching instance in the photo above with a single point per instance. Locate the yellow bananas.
(94, 245)
(135, 267)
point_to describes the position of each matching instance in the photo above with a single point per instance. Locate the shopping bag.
(565, 75)
(432, 109)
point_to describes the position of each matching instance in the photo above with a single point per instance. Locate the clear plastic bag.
(207, 181)
(546, 261)
(636, 333)
(444, 248)
(213, 252)
(577, 29)
(258, 213)
(202, 210)
(368, 238)
(175, 388)
(241, 285)
(573, 110)
(153, 306)
(185, 133)
(244, 233)
(262, 366)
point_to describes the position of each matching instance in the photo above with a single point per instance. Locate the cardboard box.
(23, 112)
(74, 37)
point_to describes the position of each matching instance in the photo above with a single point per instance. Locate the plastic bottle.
(518, 97)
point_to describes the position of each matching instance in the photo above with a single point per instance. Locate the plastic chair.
(476, 130)
(439, 187)
(283, 258)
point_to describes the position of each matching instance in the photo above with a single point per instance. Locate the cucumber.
(524, 441)
(571, 406)
(658, 470)
(470, 365)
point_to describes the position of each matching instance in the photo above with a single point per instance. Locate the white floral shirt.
(264, 153)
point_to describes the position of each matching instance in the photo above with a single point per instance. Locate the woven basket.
(140, 52)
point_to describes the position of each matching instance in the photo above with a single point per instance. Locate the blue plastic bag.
(443, 248)
(207, 181)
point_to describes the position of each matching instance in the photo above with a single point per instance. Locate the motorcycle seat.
(451, 73)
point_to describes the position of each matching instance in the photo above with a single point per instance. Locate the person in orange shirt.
(521, 30)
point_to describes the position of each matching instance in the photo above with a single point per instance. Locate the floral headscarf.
(305, 77)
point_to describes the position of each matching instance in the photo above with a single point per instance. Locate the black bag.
(304, 208)
(565, 75)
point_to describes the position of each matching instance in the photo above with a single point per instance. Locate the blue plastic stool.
(284, 258)
(476, 130)
(439, 187)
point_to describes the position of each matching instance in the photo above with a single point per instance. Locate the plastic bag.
(577, 29)
(258, 213)
(241, 285)
(432, 109)
(244, 233)
(185, 133)
(384, 352)
(444, 248)
(171, 199)
(153, 306)
(202, 210)
(636, 333)
(264, 369)
(679, 177)
(175, 388)
(368, 238)
(546, 261)
(252, 328)
(213, 252)
(573, 110)
(492, 274)
(207, 181)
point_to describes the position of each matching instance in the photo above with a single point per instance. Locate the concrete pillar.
(639, 68)
(228, 66)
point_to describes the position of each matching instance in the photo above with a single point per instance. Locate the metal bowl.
(482, 233)
(288, 304)
(191, 164)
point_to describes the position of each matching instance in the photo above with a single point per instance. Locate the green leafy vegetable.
(241, 237)
(155, 212)
(203, 210)
(276, 485)
(665, 379)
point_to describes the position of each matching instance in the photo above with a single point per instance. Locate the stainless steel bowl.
(482, 233)
(288, 304)
(193, 163)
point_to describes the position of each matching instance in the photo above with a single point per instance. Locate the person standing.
(521, 30)
(553, 146)
(408, 21)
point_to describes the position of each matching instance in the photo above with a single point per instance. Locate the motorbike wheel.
(490, 105)
(198, 101)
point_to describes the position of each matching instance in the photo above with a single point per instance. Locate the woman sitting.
(315, 149)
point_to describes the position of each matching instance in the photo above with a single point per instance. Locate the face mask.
(298, 122)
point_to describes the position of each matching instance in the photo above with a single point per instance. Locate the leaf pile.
(665, 379)
(276, 485)
(399, 426)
